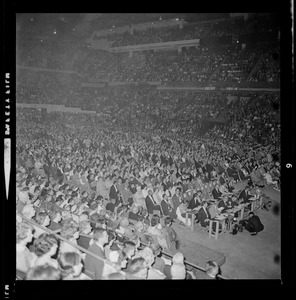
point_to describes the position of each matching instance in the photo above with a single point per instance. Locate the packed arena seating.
(237, 65)
(85, 137)
(189, 31)
(118, 178)
(268, 69)
(43, 53)
(231, 64)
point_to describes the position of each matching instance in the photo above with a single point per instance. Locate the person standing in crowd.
(94, 267)
(171, 236)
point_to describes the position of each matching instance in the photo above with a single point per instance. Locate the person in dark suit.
(176, 199)
(245, 195)
(216, 193)
(151, 205)
(167, 207)
(203, 215)
(223, 204)
(114, 191)
(134, 214)
(195, 201)
(253, 224)
(94, 267)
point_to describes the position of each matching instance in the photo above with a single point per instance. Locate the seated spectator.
(71, 266)
(24, 258)
(213, 209)
(133, 214)
(216, 192)
(138, 198)
(178, 272)
(85, 227)
(117, 276)
(28, 211)
(55, 217)
(269, 180)
(224, 190)
(149, 257)
(70, 232)
(212, 269)
(167, 207)
(222, 204)
(113, 264)
(22, 201)
(43, 219)
(137, 269)
(44, 272)
(195, 202)
(155, 231)
(181, 214)
(245, 195)
(129, 248)
(45, 247)
(151, 204)
(203, 215)
(177, 260)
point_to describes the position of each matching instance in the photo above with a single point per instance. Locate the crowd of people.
(115, 183)
(193, 31)
(128, 104)
(232, 64)
(268, 67)
(92, 174)
(204, 64)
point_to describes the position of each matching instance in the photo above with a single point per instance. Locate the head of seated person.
(129, 248)
(138, 267)
(46, 244)
(24, 232)
(155, 221)
(28, 211)
(70, 265)
(43, 272)
(178, 271)
(69, 230)
(85, 227)
(212, 269)
(42, 218)
(178, 258)
(117, 276)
